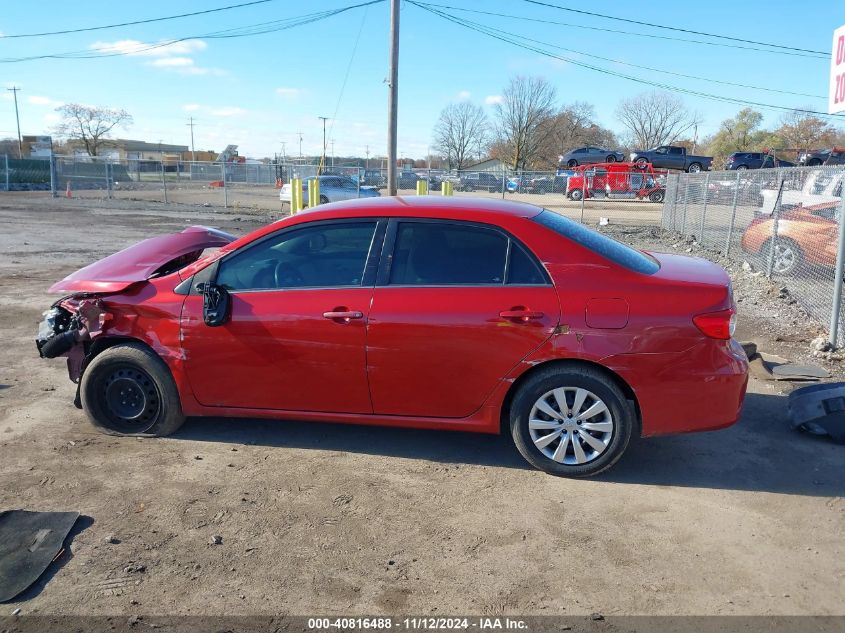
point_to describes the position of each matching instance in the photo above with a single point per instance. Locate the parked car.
(548, 184)
(587, 155)
(481, 181)
(806, 235)
(332, 189)
(671, 157)
(374, 178)
(833, 156)
(408, 180)
(426, 312)
(755, 160)
(616, 181)
(821, 187)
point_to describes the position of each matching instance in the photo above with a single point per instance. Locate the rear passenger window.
(522, 270)
(441, 254)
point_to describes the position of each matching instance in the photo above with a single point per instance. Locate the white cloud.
(228, 111)
(463, 95)
(191, 107)
(289, 92)
(166, 62)
(43, 101)
(493, 99)
(150, 49)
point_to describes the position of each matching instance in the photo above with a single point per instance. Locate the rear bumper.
(700, 389)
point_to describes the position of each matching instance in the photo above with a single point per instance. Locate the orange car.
(806, 235)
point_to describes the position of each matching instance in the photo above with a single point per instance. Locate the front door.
(295, 339)
(459, 305)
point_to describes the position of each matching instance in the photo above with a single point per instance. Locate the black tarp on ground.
(29, 541)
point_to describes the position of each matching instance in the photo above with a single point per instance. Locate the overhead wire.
(496, 34)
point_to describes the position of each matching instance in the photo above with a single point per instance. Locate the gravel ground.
(322, 518)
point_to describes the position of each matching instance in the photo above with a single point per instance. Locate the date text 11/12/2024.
(420, 623)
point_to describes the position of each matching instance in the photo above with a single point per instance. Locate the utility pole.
(284, 154)
(300, 146)
(392, 97)
(323, 159)
(193, 153)
(367, 164)
(15, 89)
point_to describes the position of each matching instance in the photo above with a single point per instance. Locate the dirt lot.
(340, 519)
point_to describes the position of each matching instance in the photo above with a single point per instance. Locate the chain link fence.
(783, 223)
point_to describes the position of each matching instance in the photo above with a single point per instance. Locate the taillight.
(721, 324)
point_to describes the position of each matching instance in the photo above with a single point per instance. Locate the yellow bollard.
(313, 193)
(446, 188)
(422, 187)
(295, 195)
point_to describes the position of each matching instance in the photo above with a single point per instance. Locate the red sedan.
(436, 313)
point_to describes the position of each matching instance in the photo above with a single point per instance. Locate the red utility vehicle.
(437, 313)
(617, 181)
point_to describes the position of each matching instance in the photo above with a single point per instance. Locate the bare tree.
(526, 103)
(802, 130)
(655, 118)
(573, 126)
(91, 125)
(461, 133)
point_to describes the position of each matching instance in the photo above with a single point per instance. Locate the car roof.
(429, 205)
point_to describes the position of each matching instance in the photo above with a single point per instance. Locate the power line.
(147, 21)
(620, 32)
(649, 68)
(243, 31)
(673, 28)
(480, 28)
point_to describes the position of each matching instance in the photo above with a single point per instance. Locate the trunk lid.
(141, 261)
(707, 284)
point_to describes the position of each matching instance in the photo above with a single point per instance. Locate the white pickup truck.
(821, 187)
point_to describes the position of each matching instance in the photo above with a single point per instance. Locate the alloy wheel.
(570, 425)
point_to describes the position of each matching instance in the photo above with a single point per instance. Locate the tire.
(641, 163)
(694, 168)
(609, 429)
(323, 199)
(742, 168)
(789, 258)
(152, 407)
(656, 196)
(814, 162)
(611, 159)
(576, 194)
(572, 163)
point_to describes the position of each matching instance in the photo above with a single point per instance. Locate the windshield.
(607, 247)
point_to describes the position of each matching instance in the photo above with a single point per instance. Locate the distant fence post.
(53, 176)
(109, 178)
(733, 216)
(163, 181)
(7, 171)
(774, 241)
(686, 204)
(837, 283)
(583, 192)
(505, 182)
(225, 188)
(704, 210)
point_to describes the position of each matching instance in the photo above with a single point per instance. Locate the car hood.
(141, 261)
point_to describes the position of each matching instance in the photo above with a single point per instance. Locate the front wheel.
(576, 194)
(572, 422)
(787, 259)
(128, 390)
(742, 168)
(572, 163)
(611, 159)
(656, 196)
(642, 163)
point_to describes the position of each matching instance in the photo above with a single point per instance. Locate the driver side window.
(323, 256)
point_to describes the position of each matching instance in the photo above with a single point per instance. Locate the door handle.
(521, 314)
(341, 314)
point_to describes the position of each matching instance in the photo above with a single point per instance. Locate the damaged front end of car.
(107, 296)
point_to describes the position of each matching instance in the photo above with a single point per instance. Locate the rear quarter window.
(606, 247)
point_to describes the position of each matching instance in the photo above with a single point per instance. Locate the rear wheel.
(572, 422)
(814, 162)
(576, 194)
(128, 390)
(656, 196)
(694, 168)
(788, 256)
(642, 163)
(611, 159)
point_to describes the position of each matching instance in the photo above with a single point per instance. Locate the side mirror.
(216, 304)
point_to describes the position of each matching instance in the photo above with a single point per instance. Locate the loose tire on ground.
(128, 390)
(570, 381)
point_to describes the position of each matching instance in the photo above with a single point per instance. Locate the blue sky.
(260, 91)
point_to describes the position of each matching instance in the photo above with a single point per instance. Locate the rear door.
(457, 305)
